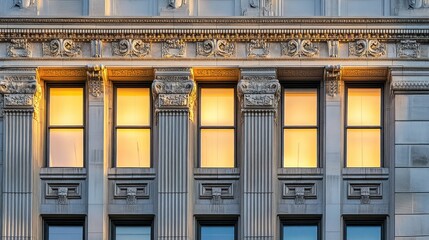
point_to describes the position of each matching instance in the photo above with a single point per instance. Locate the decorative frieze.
(17, 100)
(216, 48)
(131, 48)
(299, 48)
(258, 89)
(410, 85)
(173, 48)
(19, 48)
(333, 48)
(415, 4)
(18, 84)
(299, 191)
(408, 49)
(364, 191)
(96, 48)
(367, 48)
(258, 48)
(62, 48)
(63, 191)
(96, 80)
(332, 79)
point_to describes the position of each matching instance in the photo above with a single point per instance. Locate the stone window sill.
(300, 173)
(216, 173)
(366, 173)
(131, 173)
(63, 173)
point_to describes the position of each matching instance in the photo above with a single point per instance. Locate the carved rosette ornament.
(299, 48)
(96, 79)
(131, 48)
(19, 48)
(174, 89)
(258, 48)
(215, 48)
(258, 89)
(366, 48)
(62, 48)
(332, 79)
(408, 49)
(19, 91)
(173, 48)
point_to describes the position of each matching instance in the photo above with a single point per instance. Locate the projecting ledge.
(131, 173)
(217, 173)
(299, 173)
(366, 173)
(62, 173)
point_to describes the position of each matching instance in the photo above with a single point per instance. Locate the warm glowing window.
(217, 130)
(132, 126)
(65, 126)
(300, 127)
(364, 127)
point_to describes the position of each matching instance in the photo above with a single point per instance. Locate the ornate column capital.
(96, 76)
(332, 79)
(173, 89)
(258, 89)
(19, 88)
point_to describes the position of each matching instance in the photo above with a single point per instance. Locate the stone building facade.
(79, 185)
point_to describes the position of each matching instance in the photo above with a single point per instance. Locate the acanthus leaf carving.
(62, 48)
(408, 49)
(13, 100)
(131, 48)
(215, 48)
(258, 48)
(299, 48)
(366, 48)
(173, 48)
(333, 78)
(18, 84)
(19, 48)
(95, 76)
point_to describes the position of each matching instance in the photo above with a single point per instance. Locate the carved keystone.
(259, 89)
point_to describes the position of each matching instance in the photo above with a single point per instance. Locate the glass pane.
(364, 107)
(217, 148)
(363, 148)
(133, 148)
(66, 106)
(217, 107)
(300, 148)
(300, 232)
(363, 232)
(300, 107)
(133, 107)
(133, 233)
(65, 233)
(217, 232)
(66, 148)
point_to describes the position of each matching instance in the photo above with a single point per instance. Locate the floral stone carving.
(258, 48)
(408, 49)
(215, 48)
(365, 48)
(299, 48)
(131, 48)
(172, 48)
(62, 48)
(19, 48)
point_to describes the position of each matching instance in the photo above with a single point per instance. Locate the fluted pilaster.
(174, 93)
(258, 91)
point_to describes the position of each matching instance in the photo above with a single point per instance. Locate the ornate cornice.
(410, 85)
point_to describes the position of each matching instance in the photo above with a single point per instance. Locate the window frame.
(218, 221)
(114, 123)
(132, 221)
(368, 85)
(301, 85)
(365, 221)
(48, 87)
(301, 221)
(57, 221)
(199, 127)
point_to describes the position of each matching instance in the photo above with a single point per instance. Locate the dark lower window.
(362, 231)
(302, 229)
(131, 230)
(215, 230)
(57, 229)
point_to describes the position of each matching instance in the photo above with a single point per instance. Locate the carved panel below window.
(130, 191)
(300, 192)
(63, 191)
(216, 190)
(364, 191)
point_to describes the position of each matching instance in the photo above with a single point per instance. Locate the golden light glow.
(300, 107)
(364, 107)
(300, 148)
(363, 148)
(133, 107)
(66, 106)
(66, 148)
(217, 148)
(217, 107)
(133, 148)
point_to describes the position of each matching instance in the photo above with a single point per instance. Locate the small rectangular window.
(131, 230)
(65, 121)
(364, 229)
(215, 230)
(132, 126)
(364, 126)
(308, 229)
(59, 229)
(300, 127)
(217, 127)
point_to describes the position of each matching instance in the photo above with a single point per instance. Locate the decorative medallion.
(173, 48)
(299, 48)
(19, 48)
(258, 48)
(215, 48)
(62, 48)
(365, 48)
(131, 48)
(408, 49)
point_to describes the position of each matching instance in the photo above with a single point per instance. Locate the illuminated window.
(65, 126)
(132, 126)
(364, 127)
(300, 127)
(217, 127)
